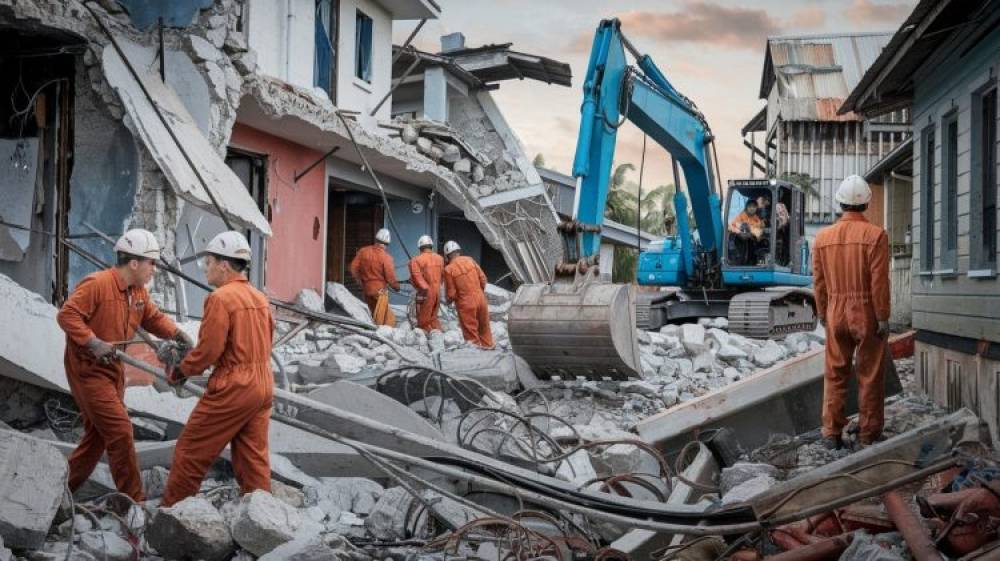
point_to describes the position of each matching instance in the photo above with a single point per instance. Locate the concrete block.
(496, 369)
(693, 338)
(32, 480)
(462, 166)
(369, 403)
(741, 472)
(29, 324)
(478, 173)
(342, 298)
(749, 489)
(349, 364)
(424, 145)
(387, 520)
(191, 529)
(106, 545)
(335, 495)
(320, 371)
(409, 134)
(287, 494)
(577, 468)
(310, 300)
(451, 153)
(264, 522)
(768, 355)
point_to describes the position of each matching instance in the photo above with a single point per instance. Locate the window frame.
(332, 29)
(927, 198)
(359, 68)
(982, 262)
(949, 193)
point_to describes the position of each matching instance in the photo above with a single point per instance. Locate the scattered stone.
(349, 364)
(106, 545)
(34, 477)
(335, 495)
(287, 494)
(741, 472)
(462, 166)
(768, 355)
(409, 134)
(387, 520)
(451, 153)
(191, 529)
(320, 371)
(703, 362)
(577, 468)
(264, 522)
(478, 173)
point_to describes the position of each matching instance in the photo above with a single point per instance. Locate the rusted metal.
(918, 540)
(824, 550)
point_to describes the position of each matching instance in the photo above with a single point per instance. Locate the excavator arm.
(614, 92)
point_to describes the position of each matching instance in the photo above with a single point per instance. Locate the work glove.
(175, 377)
(103, 352)
(183, 340)
(883, 328)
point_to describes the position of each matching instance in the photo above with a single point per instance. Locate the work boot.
(866, 442)
(832, 442)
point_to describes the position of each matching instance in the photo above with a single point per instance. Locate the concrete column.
(436, 94)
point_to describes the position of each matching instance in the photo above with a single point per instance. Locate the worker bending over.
(235, 337)
(749, 229)
(426, 270)
(103, 313)
(465, 285)
(851, 278)
(374, 269)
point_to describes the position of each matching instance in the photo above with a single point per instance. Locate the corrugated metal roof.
(815, 73)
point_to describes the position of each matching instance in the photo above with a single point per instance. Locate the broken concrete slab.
(339, 296)
(369, 403)
(29, 324)
(264, 522)
(785, 399)
(741, 472)
(494, 368)
(387, 520)
(310, 300)
(32, 481)
(191, 529)
(319, 371)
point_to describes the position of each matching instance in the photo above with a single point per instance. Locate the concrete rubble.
(191, 529)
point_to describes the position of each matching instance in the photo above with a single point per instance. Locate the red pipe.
(825, 550)
(917, 539)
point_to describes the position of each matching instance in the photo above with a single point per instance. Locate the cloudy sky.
(711, 50)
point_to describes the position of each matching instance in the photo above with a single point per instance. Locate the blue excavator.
(757, 275)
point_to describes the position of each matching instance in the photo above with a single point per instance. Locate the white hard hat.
(383, 236)
(140, 243)
(229, 244)
(425, 241)
(451, 247)
(853, 191)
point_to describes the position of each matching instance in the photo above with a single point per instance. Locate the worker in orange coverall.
(101, 314)
(465, 283)
(851, 278)
(235, 336)
(426, 270)
(374, 269)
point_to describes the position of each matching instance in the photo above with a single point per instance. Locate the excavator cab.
(765, 233)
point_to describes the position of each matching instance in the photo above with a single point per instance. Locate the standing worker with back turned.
(426, 270)
(235, 336)
(465, 283)
(374, 269)
(851, 277)
(103, 312)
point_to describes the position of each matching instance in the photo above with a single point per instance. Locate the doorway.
(353, 218)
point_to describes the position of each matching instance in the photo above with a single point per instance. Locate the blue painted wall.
(175, 13)
(411, 226)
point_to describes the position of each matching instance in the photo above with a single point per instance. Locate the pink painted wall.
(297, 212)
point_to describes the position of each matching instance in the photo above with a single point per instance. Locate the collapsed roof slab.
(31, 342)
(292, 113)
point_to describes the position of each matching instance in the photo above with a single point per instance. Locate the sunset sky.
(712, 51)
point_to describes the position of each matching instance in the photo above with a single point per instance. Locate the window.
(363, 47)
(325, 61)
(949, 193)
(983, 203)
(927, 200)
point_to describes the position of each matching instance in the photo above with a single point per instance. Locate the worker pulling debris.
(851, 274)
(465, 283)
(102, 313)
(374, 269)
(426, 270)
(236, 337)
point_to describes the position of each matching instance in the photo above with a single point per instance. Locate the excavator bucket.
(569, 329)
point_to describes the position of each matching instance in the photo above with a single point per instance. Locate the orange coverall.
(103, 306)
(851, 278)
(235, 336)
(755, 223)
(465, 283)
(426, 270)
(374, 269)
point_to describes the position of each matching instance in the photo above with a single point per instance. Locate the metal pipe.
(914, 534)
(310, 167)
(829, 549)
(399, 82)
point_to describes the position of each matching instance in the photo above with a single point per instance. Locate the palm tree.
(621, 204)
